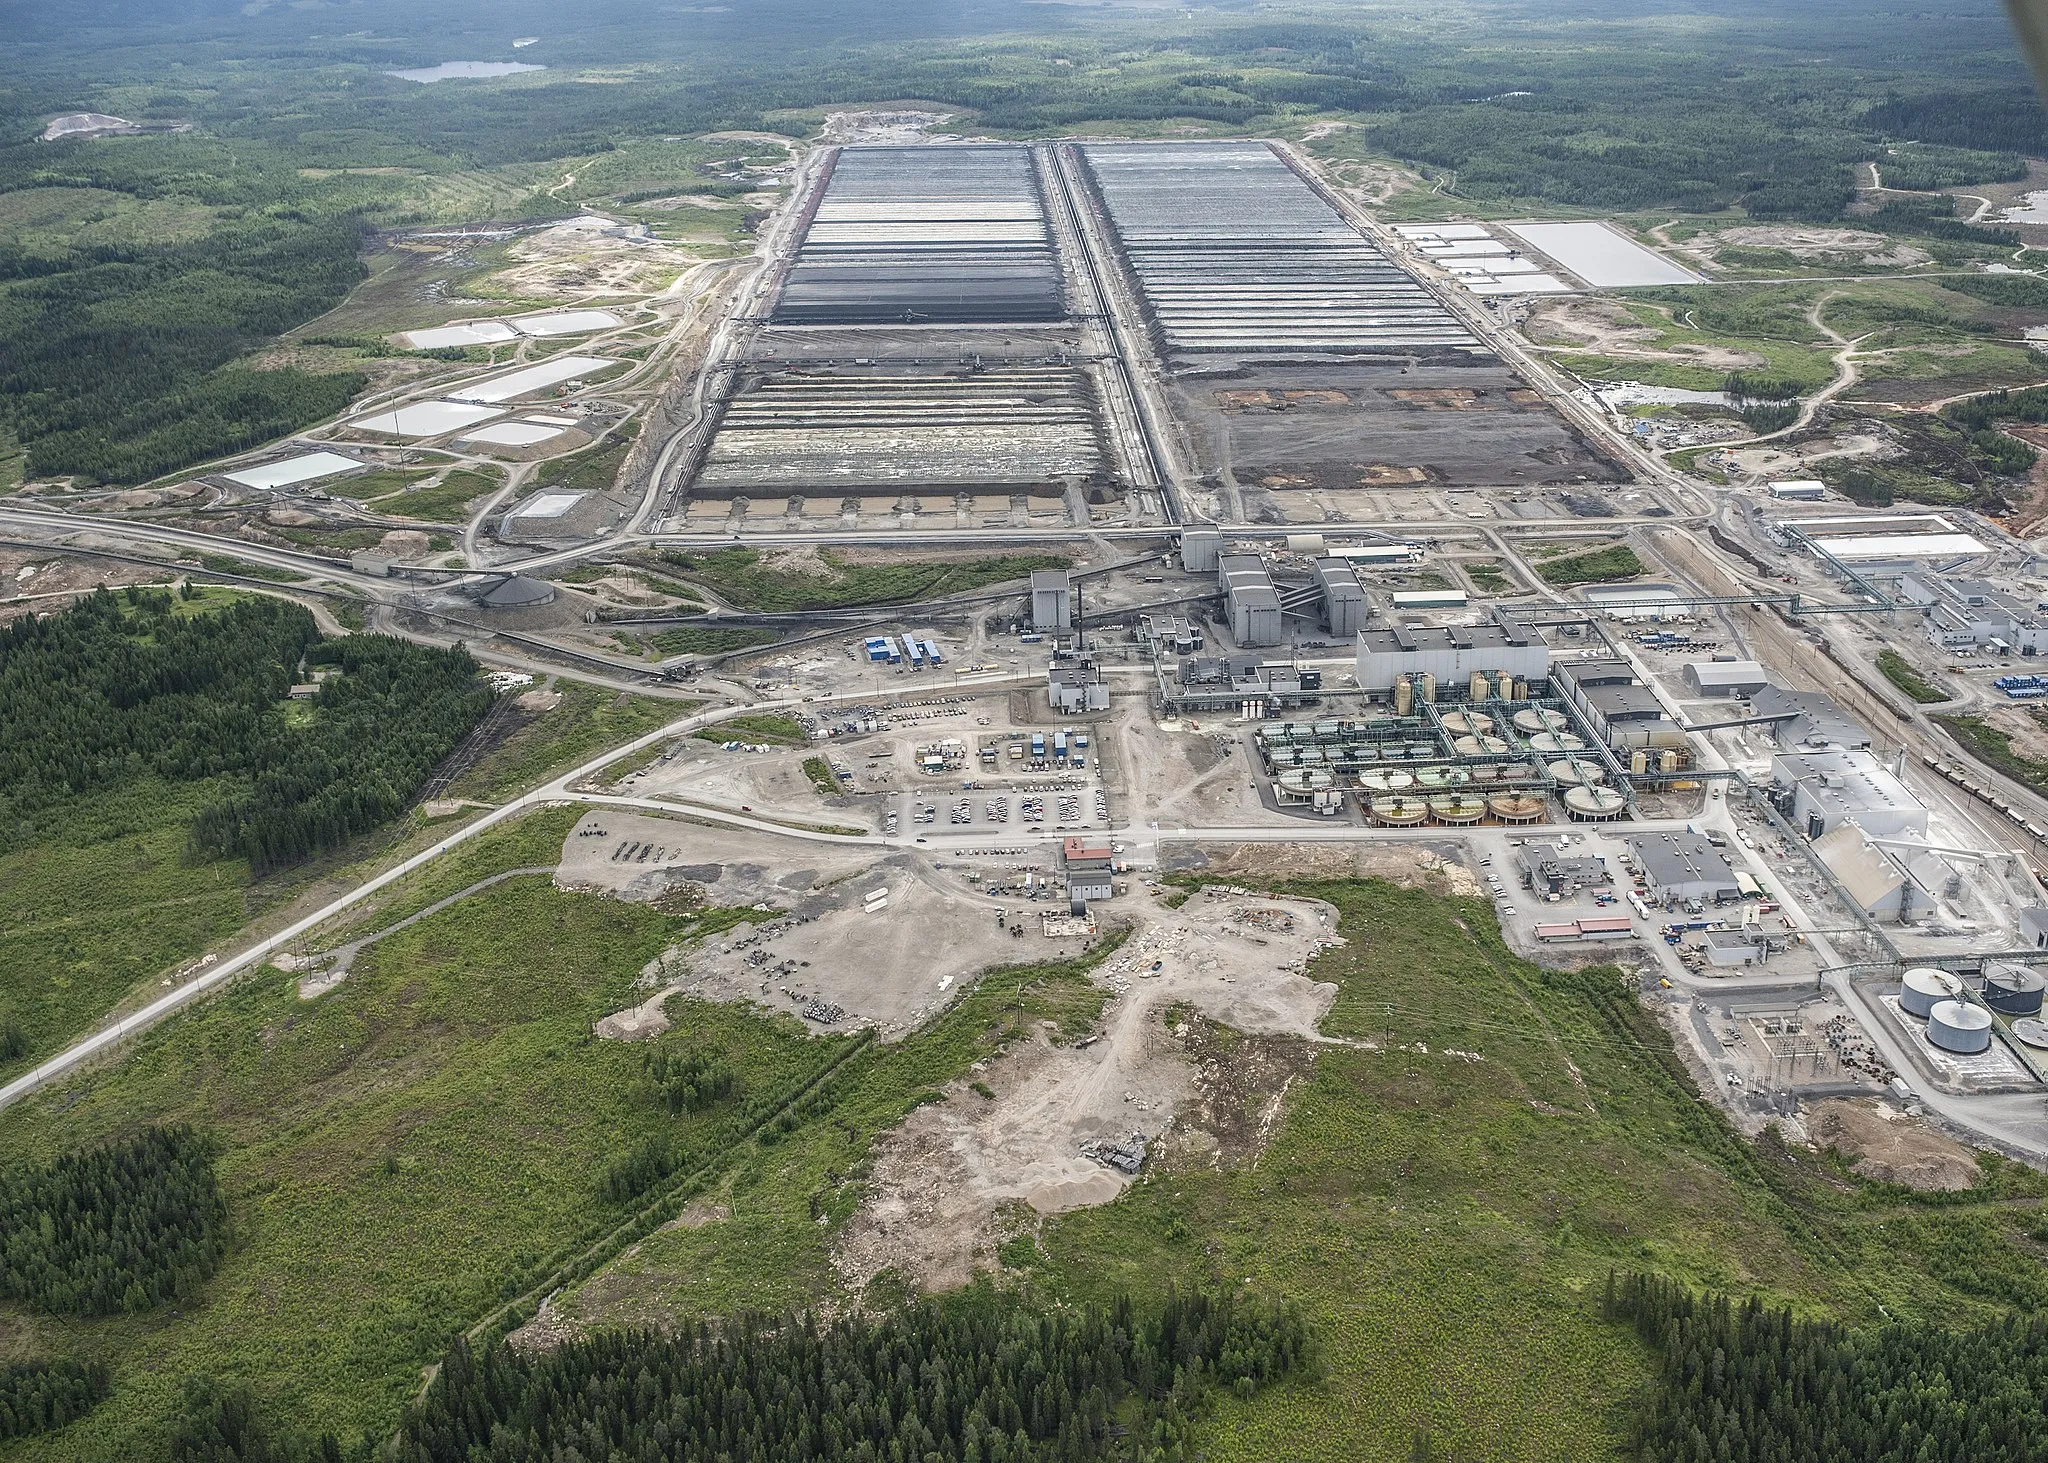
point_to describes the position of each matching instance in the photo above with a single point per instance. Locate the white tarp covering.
(443, 337)
(1603, 257)
(293, 470)
(1902, 546)
(565, 322)
(1520, 284)
(1441, 231)
(553, 421)
(1464, 249)
(532, 379)
(547, 505)
(424, 419)
(511, 434)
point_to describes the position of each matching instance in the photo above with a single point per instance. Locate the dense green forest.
(121, 1228)
(114, 361)
(976, 1378)
(1749, 1383)
(41, 1396)
(119, 687)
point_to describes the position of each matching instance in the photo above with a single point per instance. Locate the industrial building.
(1805, 490)
(1546, 871)
(1903, 539)
(1725, 677)
(1969, 614)
(1344, 602)
(1685, 867)
(1088, 866)
(1170, 634)
(1254, 604)
(1076, 687)
(1636, 601)
(1728, 949)
(1450, 653)
(1052, 600)
(1807, 718)
(1199, 548)
(1876, 878)
(1622, 711)
(1822, 787)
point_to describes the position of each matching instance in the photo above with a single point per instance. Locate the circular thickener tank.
(1572, 772)
(1925, 987)
(1457, 808)
(1593, 803)
(1515, 807)
(1534, 719)
(1955, 1026)
(1318, 779)
(1468, 723)
(1399, 812)
(1432, 777)
(1552, 743)
(1294, 780)
(2013, 990)
(2031, 1031)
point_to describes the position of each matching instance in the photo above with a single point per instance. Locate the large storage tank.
(1924, 988)
(1458, 807)
(2013, 990)
(1571, 772)
(1480, 746)
(1534, 719)
(1956, 1026)
(1516, 807)
(1398, 812)
(1468, 723)
(1551, 743)
(1594, 804)
(1381, 779)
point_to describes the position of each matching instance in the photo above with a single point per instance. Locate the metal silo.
(1923, 988)
(1956, 1026)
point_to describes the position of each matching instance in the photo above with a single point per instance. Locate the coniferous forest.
(40, 1396)
(119, 1228)
(976, 1378)
(1747, 1383)
(124, 686)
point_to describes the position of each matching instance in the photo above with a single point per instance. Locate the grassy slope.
(418, 1144)
(106, 900)
(103, 906)
(1449, 1222)
(394, 1151)
(589, 719)
(740, 578)
(407, 1150)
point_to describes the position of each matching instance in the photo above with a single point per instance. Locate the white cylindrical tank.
(1668, 763)
(1521, 691)
(1593, 804)
(1924, 987)
(1638, 762)
(1956, 1026)
(1429, 686)
(1478, 689)
(1404, 697)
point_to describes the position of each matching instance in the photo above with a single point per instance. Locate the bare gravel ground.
(959, 1177)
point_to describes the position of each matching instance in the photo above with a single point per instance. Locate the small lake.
(464, 70)
(2035, 212)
